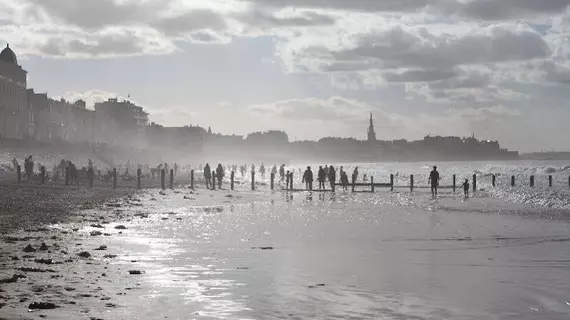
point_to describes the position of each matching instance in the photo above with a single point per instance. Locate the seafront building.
(13, 106)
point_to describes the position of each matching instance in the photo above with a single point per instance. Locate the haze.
(312, 68)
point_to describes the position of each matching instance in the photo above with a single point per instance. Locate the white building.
(13, 97)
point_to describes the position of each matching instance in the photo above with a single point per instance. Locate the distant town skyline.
(499, 68)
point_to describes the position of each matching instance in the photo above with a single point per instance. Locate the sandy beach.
(203, 254)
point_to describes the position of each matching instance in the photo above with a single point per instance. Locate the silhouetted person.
(243, 168)
(288, 179)
(308, 179)
(321, 177)
(176, 169)
(282, 172)
(207, 175)
(15, 164)
(465, 186)
(262, 170)
(434, 181)
(326, 168)
(355, 175)
(365, 178)
(29, 168)
(344, 180)
(274, 171)
(332, 177)
(220, 175)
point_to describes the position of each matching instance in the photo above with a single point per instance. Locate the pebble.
(29, 248)
(103, 247)
(120, 227)
(43, 247)
(84, 254)
(96, 233)
(135, 272)
(42, 305)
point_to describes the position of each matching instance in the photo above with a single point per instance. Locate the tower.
(371, 132)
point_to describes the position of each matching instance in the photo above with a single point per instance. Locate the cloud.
(511, 9)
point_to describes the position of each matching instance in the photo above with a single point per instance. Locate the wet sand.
(54, 258)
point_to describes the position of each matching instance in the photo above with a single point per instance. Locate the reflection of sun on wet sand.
(67, 270)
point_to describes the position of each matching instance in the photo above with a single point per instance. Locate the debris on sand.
(96, 233)
(120, 227)
(162, 193)
(97, 226)
(43, 247)
(25, 269)
(113, 205)
(229, 196)
(42, 306)
(110, 256)
(10, 239)
(84, 254)
(135, 272)
(44, 261)
(101, 248)
(263, 248)
(13, 279)
(29, 248)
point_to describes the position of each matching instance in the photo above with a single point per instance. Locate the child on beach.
(466, 187)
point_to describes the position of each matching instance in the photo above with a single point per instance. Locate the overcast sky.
(498, 68)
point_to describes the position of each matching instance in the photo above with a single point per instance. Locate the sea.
(501, 253)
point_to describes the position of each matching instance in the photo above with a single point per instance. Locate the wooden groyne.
(167, 179)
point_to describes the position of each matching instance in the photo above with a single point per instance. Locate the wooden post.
(372, 184)
(90, 176)
(291, 180)
(512, 181)
(19, 173)
(114, 178)
(454, 182)
(353, 182)
(532, 181)
(252, 180)
(493, 181)
(139, 173)
(550, 181)
(232, 177)
(474, 183)
(43, 175)
(411, 183)
(391, 182)
(162, 179)
(272, 181)
(192, 179)
(171, 178)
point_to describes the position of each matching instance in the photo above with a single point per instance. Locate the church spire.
(371, 132)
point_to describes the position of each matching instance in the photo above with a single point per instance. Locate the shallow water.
(347, 256)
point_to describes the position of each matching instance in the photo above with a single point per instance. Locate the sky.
(499, 69)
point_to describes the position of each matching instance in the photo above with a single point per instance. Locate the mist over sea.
(500, 254)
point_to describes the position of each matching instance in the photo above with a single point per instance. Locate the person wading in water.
(434, 181)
